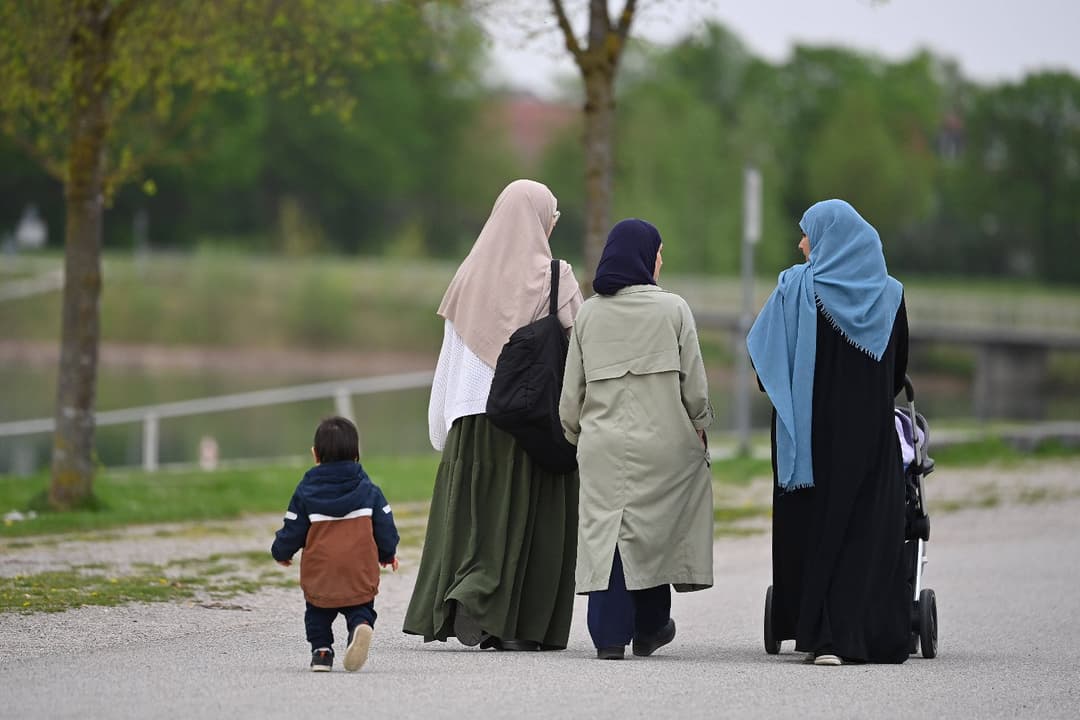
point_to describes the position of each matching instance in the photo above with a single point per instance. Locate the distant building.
(951, 137)
(31, 232)
(531, 124)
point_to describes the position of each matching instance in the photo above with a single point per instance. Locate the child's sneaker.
(322, 659)
(359, 643)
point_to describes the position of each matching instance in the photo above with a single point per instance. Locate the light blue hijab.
(846, 278)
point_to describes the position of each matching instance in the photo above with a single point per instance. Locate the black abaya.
(840, 581)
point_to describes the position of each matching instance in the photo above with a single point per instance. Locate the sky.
(993, 40)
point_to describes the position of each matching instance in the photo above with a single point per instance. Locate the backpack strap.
(553, 305)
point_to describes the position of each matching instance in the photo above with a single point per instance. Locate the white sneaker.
(819, 660)
(359, 644)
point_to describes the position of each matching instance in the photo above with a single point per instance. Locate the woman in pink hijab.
(498, 561)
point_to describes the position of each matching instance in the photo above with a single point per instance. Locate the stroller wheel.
(928, 623)
(772, 645)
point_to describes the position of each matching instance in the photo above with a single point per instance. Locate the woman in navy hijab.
(645, 510)
(830, 349)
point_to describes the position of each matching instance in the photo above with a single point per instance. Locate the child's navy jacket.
(344, 524)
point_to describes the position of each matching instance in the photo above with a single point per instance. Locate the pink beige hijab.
(504, 281)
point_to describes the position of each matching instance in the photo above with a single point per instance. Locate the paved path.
(1007, 579)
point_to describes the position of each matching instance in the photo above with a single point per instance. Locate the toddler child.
(342, 521)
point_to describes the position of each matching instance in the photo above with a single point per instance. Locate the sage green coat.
(634, 396)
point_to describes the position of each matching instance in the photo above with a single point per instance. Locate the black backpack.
(524, 397)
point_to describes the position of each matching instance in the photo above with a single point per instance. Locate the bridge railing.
(1011, 362)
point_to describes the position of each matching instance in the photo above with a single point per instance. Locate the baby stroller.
(914, 435)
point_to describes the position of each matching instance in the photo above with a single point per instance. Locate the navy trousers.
(617, 615)
(319, 621)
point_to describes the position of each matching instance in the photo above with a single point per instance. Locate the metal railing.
(150, 416)
(28, 287)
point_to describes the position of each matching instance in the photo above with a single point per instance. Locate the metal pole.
(751, 235)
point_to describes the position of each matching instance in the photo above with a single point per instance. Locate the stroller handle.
(909, 389)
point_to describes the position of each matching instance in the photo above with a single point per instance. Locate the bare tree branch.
(53, 166)
(626, 18)
(119, 14)
(568, 32)
(162, 142)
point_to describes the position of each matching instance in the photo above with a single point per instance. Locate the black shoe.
(490, 642)
(527, 645)
(648, 645)
(322, 659)
(466, 629)
(611, 653)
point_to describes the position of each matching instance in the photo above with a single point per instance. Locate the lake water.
(389, 423)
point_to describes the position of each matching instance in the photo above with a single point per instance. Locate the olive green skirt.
(501, 542)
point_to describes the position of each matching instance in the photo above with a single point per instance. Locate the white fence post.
(343, 403)
(344, 408)
(150, 442)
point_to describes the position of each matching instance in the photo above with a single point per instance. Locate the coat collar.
(631, 289)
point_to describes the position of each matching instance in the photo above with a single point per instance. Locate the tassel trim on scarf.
(840, 330)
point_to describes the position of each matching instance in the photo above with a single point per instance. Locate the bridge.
(1010, 383)
(1011, 363)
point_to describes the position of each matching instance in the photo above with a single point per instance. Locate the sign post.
(751, 236)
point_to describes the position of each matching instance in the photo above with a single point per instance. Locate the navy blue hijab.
(629, 257)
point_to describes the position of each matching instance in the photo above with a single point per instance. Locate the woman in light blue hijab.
(830, 350)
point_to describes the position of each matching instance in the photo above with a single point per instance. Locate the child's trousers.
(319, 621)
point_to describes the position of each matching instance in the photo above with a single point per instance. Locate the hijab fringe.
(838, 329)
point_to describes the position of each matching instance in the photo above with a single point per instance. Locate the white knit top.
(461, 386)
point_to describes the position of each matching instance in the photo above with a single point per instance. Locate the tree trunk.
(73, 441)
(599, 163)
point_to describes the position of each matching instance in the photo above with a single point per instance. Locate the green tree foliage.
(959, 179)
(266, 169)
(864, 130)
(692, 118)
(95, 90)
(597, 56)
(828, 123)
(1015, 190)
(895, 172)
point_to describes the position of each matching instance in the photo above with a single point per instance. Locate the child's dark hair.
(336, 439)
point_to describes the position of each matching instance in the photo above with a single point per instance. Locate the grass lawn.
(132, 497)
(129, 498)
